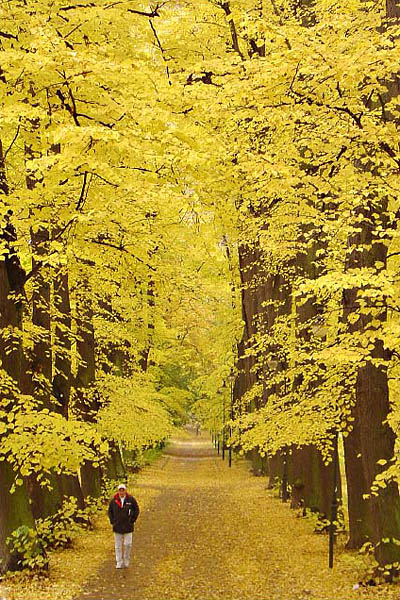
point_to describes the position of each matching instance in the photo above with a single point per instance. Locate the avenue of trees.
(186, 189)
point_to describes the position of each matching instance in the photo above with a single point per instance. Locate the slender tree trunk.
(15, 509)
(246, 364)
(62, 341)
(275, 467)
(41, 367)
(87, 401)
(144, 361)
(69, 483)
(114, 360)
(312, 479)
(42, 363)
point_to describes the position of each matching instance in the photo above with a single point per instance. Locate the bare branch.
(161, 50)
(142, 169)
(121, 248)
(8, 36)
(114, 185)
(3, 158)
(64, 229)
(74, 6)
(235, 40)
(150, 15)
(82, 194)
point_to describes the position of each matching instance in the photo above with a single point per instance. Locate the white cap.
(122, 486)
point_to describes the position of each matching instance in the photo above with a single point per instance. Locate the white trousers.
(123, 545)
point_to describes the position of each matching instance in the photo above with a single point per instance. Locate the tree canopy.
(191, 190)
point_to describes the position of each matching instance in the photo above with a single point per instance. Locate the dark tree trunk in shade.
(248, 373)
(42, 356)
(38, 378)
(114, 468)
(41, 364)
(62, 341)
(312, 479)
(265, 297)
(259, 463)
(372, 437)
(113, 356)
(87, 403)
(45, 502)
(115, 359)
(275, 468)
(69, 483)
(360, 526)
(144, 361)
(15, 510)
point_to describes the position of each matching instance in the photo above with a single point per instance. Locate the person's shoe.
(126, 565)
(119, 566)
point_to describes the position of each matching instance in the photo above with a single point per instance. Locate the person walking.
(123, 511)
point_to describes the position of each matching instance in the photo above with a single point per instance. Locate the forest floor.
(205, 532)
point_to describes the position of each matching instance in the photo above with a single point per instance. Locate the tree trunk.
(372, 406)
(42, 362)
(15, 510)
(313, 480)
(69, 483)
(360, 526)
(45, 502)
(372, 437)
(86, 394)
(144, 360)
(259, 463)
(115, 468)
(275, 468)
(62, 341)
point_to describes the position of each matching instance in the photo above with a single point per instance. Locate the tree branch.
(121, 248)
(150, 15)
(64, 229)
(142, 169)
(82, 194)
(114, 185)
(74, 6)
(39, 264)
(3, 158)
(235, 40)
(8, 36)
(161, 50)
(311, 101)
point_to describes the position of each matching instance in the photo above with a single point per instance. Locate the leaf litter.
(205, 532)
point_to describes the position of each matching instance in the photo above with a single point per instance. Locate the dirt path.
(214, 532)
